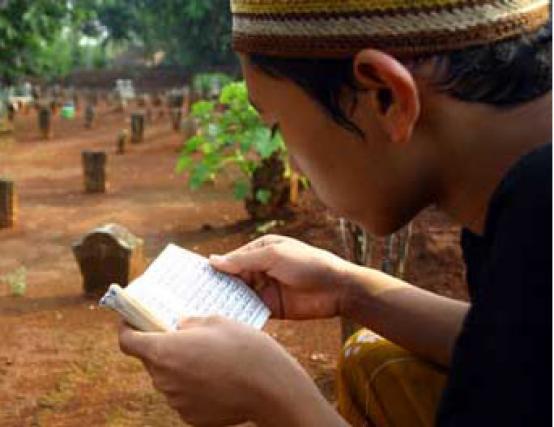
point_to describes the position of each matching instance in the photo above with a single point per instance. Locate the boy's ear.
(394, 94)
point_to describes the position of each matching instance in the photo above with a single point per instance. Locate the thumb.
(224, 264)
(138, 344)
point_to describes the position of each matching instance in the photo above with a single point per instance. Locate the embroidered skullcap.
(404, 28)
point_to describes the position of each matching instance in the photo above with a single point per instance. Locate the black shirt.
(501, 372)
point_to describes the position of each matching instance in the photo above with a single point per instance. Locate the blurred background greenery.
(53, 38)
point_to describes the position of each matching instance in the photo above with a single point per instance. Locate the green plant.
(235, 137)
(17, 281)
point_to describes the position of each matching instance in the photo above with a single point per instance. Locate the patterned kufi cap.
(405, 28)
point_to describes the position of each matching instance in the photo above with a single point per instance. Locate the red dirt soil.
(60, 364)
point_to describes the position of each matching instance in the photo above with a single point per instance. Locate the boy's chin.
(380, 228)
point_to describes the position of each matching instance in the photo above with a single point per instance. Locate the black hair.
(503, 74)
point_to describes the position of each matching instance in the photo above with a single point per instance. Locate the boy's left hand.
(215, 371)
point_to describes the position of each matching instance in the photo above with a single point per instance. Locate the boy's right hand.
(295, 280)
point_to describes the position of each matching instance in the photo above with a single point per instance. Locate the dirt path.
(59, 360)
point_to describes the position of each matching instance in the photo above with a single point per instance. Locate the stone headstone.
(106, 255)
(94, 171)
(137, 128)
(8, 203)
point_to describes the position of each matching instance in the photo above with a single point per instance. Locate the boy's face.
(372, 181)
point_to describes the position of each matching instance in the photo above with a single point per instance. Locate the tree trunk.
(269, 176)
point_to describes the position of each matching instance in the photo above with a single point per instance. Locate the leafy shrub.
(232, 136)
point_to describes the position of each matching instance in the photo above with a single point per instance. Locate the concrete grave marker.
(106, 255)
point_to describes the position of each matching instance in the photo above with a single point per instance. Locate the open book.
(179, 284)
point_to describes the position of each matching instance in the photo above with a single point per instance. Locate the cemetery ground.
(60, 364)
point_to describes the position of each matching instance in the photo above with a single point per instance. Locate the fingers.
(254, 260)
(189, 322)
(225, 262)
(195, 322)
(138, 344)
(272, 296)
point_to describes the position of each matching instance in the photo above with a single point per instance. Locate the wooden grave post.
(94, 97)
(141, 101)
(176, 118)
(90, 115)
(76, 101)
(149, 115)
(105, 98)
(106, 255)
(11, 112)
(122, 141)
(8, 203)
(94, 171)
(120, 103)
(187, 100)
(54, 107)
(157, 100)
(45, 121)
(137, 128)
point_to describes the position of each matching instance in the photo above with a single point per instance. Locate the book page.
(180, 283)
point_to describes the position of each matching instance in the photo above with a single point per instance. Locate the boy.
(389, 107)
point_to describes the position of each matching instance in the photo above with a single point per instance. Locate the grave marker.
(94, 171)
(76, 100)
(122, 141)
(11, 112)
(106, 255)
(45, 121)
(8, 203)
(90, 115)
(137, 128)
(176, 118)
